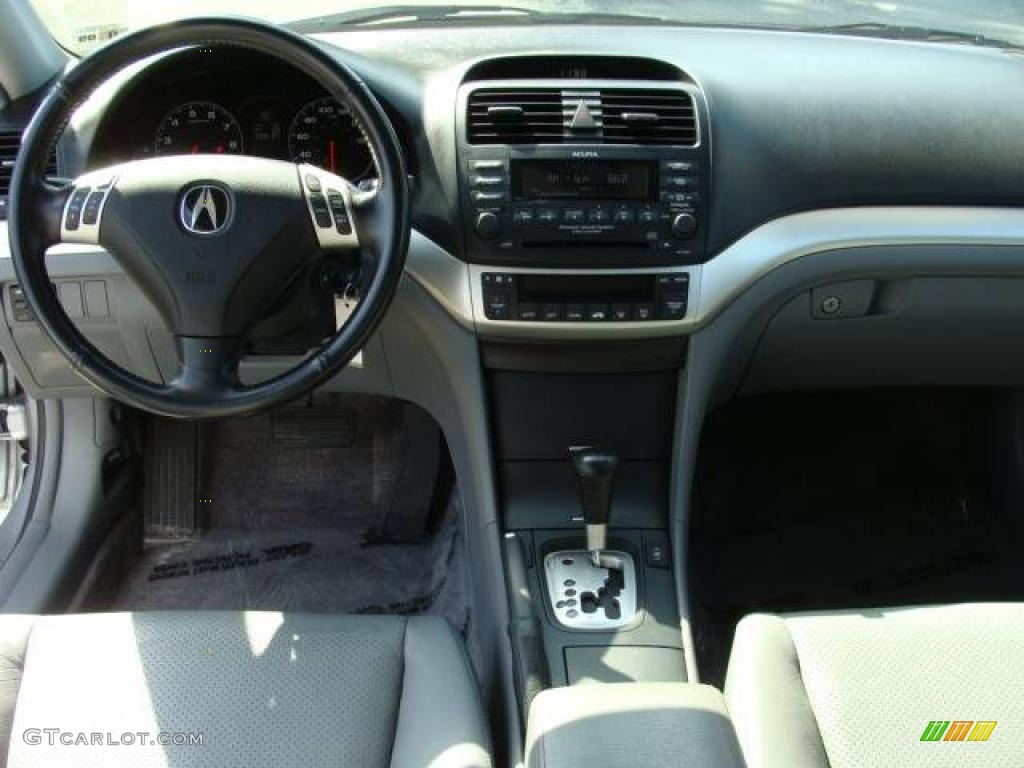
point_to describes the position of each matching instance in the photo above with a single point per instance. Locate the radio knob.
(487, 225)
(684, 225)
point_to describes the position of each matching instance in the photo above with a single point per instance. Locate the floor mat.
(293, 504)
(843, 500)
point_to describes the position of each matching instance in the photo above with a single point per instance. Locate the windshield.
(81, 25)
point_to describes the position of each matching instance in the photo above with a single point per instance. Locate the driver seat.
(260, 688)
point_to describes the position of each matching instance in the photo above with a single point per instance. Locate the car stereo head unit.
(594, 207)
(586, 198)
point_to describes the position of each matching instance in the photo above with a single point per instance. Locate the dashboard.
(232, 102)
(828, 195)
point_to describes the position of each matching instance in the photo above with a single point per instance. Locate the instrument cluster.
(231, 103)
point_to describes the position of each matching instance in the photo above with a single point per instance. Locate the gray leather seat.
(262, 689)
(859, 689)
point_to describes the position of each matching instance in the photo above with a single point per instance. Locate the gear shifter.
(595, 470)
(592, 589)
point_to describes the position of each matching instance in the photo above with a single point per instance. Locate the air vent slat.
(10, 143)
(540, 119)
(668, 117)
(554, 116)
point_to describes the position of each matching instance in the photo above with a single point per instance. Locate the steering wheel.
(210, 239)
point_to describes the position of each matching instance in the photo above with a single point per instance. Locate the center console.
(584, 213)
(656, 725)
(584, 202)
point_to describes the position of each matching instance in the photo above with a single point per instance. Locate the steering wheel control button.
(73, 213)
(91, 211)
(330, 207)
(320, 211)
(337, 204)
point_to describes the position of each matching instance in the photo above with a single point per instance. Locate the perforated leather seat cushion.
(857, 689)
(261, 688)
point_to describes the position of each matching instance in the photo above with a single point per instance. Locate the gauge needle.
(331, 160)
(195, 149)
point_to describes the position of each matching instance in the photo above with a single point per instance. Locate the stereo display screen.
(541, 180)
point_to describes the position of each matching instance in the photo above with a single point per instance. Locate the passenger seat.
(876, 688)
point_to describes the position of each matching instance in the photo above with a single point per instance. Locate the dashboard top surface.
(796, 121)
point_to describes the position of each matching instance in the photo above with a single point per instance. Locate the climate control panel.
(584, 298)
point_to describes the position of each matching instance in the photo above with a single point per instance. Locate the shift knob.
(595, 470)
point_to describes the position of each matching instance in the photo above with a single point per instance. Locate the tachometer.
(325, 134)
(198, 127)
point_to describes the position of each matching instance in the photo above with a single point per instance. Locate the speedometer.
(325, 134)
(198, 127)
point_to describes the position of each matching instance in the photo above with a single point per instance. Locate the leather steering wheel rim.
(37, 212)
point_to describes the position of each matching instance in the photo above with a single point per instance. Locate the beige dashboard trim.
(714, 285)
(719, 282)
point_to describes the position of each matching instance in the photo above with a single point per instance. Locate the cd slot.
(580, 245)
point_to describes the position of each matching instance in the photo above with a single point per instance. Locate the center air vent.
(577, 116)
(10, 143)
(648, 117)
(502, 116)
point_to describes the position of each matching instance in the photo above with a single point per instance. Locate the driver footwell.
(347, 507)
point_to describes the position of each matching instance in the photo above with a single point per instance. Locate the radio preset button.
(647, 215)
(677, 166)
(598, 215)
(522, 216)
(547, 216)
(572, 216)
(623, 215)
(487, 224)
(597, 312)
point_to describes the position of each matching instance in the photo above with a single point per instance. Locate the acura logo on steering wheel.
(205, 209)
